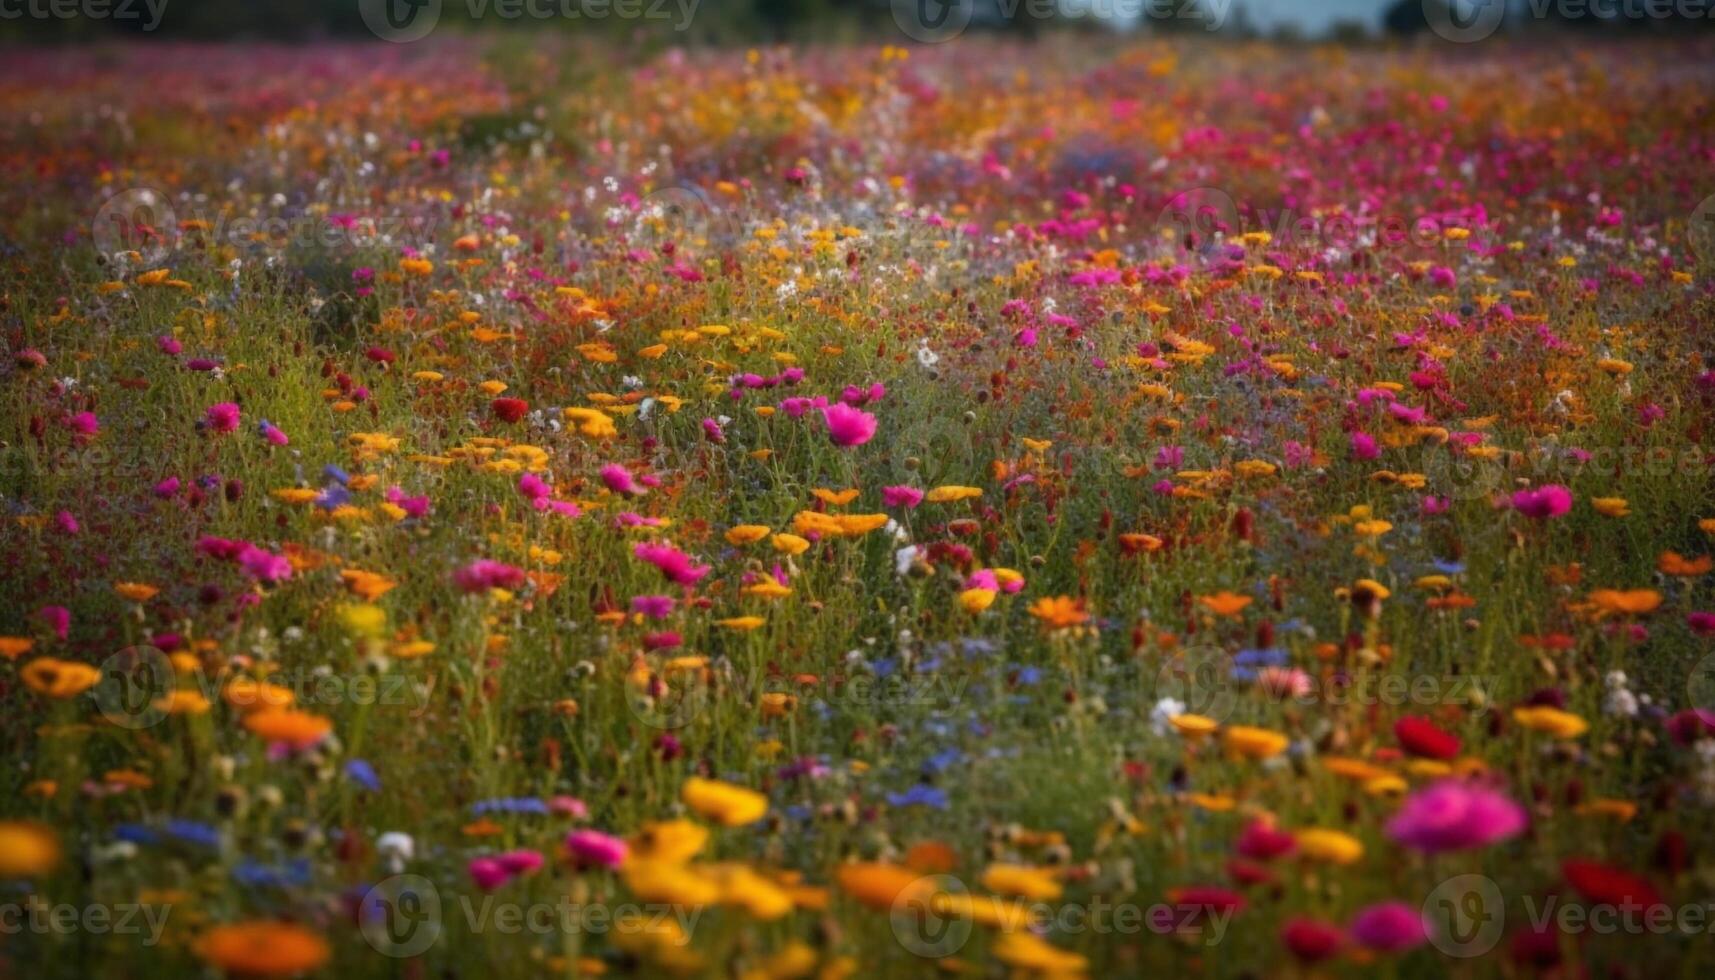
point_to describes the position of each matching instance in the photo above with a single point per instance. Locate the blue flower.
(192, 832)
(510, 804)
(364, 774)
(920, 795)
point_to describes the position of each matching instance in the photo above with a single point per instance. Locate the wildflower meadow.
(1092, 506)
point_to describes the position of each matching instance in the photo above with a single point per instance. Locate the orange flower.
(1626, 602)
(262, 949)
(135, 591)
(13, 647)
(1224, 603)
(1060, 612)
(300, 729)
(1674, 563)
(880, 885)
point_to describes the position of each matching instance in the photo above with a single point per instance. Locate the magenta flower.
(484, 574)
(1364, 446)
(1453, 815)
(653, 606)
(712, 432)
(848, 426)
(901, 496)
(264, 566)
(272, 433)
(594, 848)
(487, 874)
(222, 417)
(619, 480)
(1389, 927)
(673, 563)
(1551, 500)
(84, 424)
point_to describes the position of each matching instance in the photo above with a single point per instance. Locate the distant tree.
(1406, 18)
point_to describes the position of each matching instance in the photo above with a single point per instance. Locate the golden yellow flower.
(1551, 721)
(744, 534)
(1037, 884)
(1332, 846)
(27, 849)
(1254, 743)
(724, 803)
(59, 679)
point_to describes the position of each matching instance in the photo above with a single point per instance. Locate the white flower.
(395, 848)
(1164, 711)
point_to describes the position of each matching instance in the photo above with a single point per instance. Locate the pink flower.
(487, 874)
(521, 862)
(67, 522)
(848, 426)
(84, 424)
(901, 496)
(619, 480)
(1701, 623)
(594, 848)
(1452, 815)
(1311, 940)
(673, 563)
(1364, 446)
(1389, 927)
(57, 618)
(712, 432)
(1551, 500)
(569, 806)
(222, 417)
(272, 433)
(484, 574)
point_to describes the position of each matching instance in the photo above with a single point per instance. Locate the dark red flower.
(1311, 940)
(1421, 737)
(1608, 885)
(1262, 841)
(510, 409)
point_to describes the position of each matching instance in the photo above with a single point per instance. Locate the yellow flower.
(742, 887)
(669, 883)
(790, 544)
(741, 623)
(951, 493)
(669, 841)
(835, 498)
(1193, 726)
(768, 588)
(976, 600)
(1551, 721)
(363, 620)
(1224, 603)
(1027, 951)
(1254, 743)
(724, 803)
(744, 534)
(1611, 506)
(1332, 846)
(183, 703)
(1037, 884)
(59, 679)
(27, 849)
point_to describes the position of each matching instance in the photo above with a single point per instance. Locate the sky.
(1313, 16)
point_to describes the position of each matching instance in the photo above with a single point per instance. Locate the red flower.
(1193, 902)
(510, 409)
(1311, 940)
(1421, 737)
(1606, 885)
(1261, 841)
